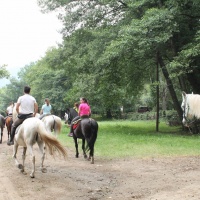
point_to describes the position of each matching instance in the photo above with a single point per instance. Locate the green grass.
(119, 139)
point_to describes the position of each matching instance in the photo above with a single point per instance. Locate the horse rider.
(9, 110)
(84, 111)
(73, 114)
(26, 107)
(76, 106)
(46, 109)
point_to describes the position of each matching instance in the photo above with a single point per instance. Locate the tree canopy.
(111, 50)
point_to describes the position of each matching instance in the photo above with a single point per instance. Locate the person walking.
(26, 107)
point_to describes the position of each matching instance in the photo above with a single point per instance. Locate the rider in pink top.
(83, 112)
(84, 108)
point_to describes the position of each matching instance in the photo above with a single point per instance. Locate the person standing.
(26, 107)
(46, 109)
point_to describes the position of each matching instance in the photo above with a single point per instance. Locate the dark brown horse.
(86, 129)
(9, 122)
(2, 124)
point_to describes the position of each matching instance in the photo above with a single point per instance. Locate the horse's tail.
(58, 124)
(51, 142)
(93, 135)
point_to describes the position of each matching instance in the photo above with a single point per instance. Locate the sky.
(25, 34)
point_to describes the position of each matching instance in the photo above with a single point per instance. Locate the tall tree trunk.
(164, 98)
(157, 96)
(108, 114)
(170, 86)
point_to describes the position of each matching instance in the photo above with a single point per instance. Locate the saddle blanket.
(76, 123)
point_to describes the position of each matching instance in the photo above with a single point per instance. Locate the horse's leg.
(15, 148)
(76, 146)
(30, 148)
(8, 132)
(91, 155)
(23, 159)
(9, 128)
(42, 150)
(1, 135)
(83, 148)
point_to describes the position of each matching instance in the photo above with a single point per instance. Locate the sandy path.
(77, 179)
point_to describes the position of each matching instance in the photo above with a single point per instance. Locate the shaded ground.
(77, 179)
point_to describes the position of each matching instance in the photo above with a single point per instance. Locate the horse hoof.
(24, 173)
(32, 176)
(20, 166)
(44, 170)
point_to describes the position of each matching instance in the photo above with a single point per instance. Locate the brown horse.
(86, 130)
(9, 122)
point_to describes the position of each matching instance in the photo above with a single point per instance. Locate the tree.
(146, 32)
(3, 72)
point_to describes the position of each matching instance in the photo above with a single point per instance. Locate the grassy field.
(118, 139)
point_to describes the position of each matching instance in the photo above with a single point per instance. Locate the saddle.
(24, 116)
(76, 123)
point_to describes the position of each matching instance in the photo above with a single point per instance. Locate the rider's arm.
(41, 111)
(35, 108)
(17, 107)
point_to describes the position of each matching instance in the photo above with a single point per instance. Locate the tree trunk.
(164, 98)
(108, 114)
(157, 96)
(177, 106)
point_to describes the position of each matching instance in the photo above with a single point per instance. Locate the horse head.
(70, 114)
(66, 117)
(191, 109)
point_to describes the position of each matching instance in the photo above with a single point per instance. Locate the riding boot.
(12, 135)
(71, 131)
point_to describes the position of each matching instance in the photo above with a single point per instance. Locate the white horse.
(191, 108)
(32, 131)
(52, 123)
(66, 117)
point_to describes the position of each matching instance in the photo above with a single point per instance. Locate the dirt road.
(77, 179)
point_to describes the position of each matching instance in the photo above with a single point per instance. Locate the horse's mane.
(193, 101)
